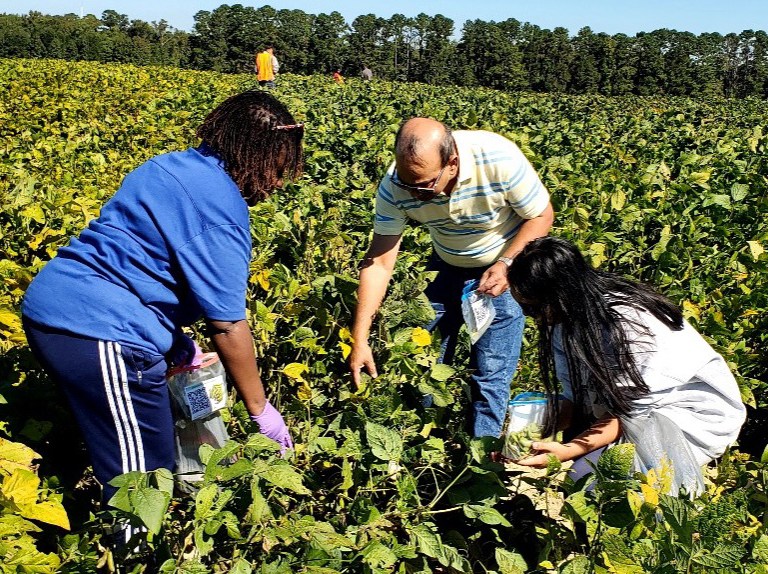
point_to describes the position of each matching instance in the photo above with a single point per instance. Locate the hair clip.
(289, 127)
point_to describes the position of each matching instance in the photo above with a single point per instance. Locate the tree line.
(509, 55)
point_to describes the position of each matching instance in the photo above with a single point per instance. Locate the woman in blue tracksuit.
(173, 245)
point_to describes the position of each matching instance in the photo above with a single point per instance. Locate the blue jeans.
(493, 358)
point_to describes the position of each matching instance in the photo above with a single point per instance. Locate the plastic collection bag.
(657, 441)
(199, 391)
(477, 309)
(525, 423)
(199, 394)
(190, 435)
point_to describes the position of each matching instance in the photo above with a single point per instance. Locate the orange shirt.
(264, 69)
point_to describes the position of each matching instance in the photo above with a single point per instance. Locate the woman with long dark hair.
(172, 245)
(626, 360)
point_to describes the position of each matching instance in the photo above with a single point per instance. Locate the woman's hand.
(185, 353)
(542, 450)
(272, 425)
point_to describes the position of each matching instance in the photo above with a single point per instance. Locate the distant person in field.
(366, 73)
(266, 67)
(173, 245)
(481, 201)
(337, 77)
(626, 361)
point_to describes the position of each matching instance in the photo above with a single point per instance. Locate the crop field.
(670, 191)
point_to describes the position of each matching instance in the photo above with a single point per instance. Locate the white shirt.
(688, 381)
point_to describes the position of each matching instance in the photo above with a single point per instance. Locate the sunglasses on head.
(289, 127)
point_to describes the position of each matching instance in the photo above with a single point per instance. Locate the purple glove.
(185, 353)
(272, 425)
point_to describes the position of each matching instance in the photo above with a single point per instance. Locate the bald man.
(481, 201)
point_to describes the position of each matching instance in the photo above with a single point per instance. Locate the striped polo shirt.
(497, 190)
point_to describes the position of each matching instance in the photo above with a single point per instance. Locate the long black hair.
(555, 285)
(258, 140)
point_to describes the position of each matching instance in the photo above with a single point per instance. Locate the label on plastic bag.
(477, 309)
(199, 391)
(205, 397)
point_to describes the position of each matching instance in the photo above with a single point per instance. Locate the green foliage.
(667, 190)
(616, 462)
(724, 520)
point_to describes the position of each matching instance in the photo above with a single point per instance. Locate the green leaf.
(701, 178)
(20, 487)
(718, 199)
(284, 476)
(677, 515)
(441, 395)
(241, 566)
(581, 218)
(485, 514)
(386, 444)
(578, 565)
(428, 542)
(259, 510)
(618, 199)
(213, 459)
(150, 505)
(34, 212)
(204, 500)
(760, 549)
(580, 502)
(15, 455)
(260, 443)
(510, 562)
(240, 467)
(661, 246)
(324, 536)
(721, 556)
(621, 556)
(192, 567)
(739, 191)
(441, 372)
(164, 480)
(756, 249)
(36, 430)
(376, 555)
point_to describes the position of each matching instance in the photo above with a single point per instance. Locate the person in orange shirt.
(266, 67)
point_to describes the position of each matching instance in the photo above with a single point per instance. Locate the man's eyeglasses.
(420, 192)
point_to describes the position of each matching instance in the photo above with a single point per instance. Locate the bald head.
(423, 141)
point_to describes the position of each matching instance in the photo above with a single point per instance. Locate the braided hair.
(556, 286)
(258, 140)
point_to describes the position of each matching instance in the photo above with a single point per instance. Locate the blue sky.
(611, 16)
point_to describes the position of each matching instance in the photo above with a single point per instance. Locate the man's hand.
(563, 452)
(361, 358)
(494, 280)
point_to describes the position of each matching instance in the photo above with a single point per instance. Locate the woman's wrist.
(256, 407)
(573, 450)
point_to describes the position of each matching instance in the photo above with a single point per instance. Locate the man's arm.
(494, 280)
(376, 270)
